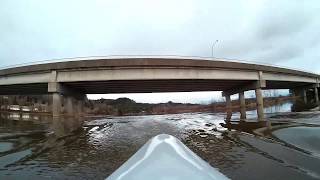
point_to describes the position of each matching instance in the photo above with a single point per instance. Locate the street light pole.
(213, 44)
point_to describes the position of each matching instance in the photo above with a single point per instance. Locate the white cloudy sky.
(282, 32)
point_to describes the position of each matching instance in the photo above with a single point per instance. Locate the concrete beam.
(288, 77)
(310, 86)
(55, 87)
(246, 87)
(149, 61)
(25, 79)
(153, 74)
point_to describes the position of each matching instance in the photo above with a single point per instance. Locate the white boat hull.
(164, 157)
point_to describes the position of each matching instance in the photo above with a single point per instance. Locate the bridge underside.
(149, 86)
(144, 86)
(24, 89)
(285, 84)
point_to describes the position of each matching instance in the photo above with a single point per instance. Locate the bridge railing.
(154, 56)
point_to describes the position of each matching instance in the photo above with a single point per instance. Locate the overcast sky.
(282, 32)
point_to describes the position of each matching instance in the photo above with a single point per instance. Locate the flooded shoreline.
(285, 146)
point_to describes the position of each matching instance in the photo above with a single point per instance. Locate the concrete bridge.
(72, 79)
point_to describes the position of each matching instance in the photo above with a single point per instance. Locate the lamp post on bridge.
(213, 44)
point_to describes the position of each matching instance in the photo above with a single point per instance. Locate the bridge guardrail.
(153, 56)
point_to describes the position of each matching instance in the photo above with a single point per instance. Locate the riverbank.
(128, 107)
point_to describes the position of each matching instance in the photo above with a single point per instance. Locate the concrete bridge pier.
(2, 102)
(257, 86)
(10, 100)
(69, 107)
(80, 107)
(303, 93)
(74, 106)
(259, 102)
(61, 93)
(316, 95)
(228, 107)
(56, 104)
(242, 106)
(304, 96)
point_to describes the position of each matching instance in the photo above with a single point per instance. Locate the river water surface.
(286, 146)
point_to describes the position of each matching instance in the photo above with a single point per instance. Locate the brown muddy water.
(37, 147)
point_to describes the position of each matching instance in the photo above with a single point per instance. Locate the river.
(286, 146)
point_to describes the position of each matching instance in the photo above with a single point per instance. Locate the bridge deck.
(148, 74)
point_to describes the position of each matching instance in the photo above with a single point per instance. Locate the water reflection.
(17, 116)
(252, 114)
(26, 136)
(64, 126)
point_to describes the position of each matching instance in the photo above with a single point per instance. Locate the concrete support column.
(56, 104)
(229, 107)
(316, 95)
(48, 104)
(259, 101)
(10, 101)
(304, 96)
(242, 106)
(2, 104)
(80, 107)
(69, 105)
(302, 93)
